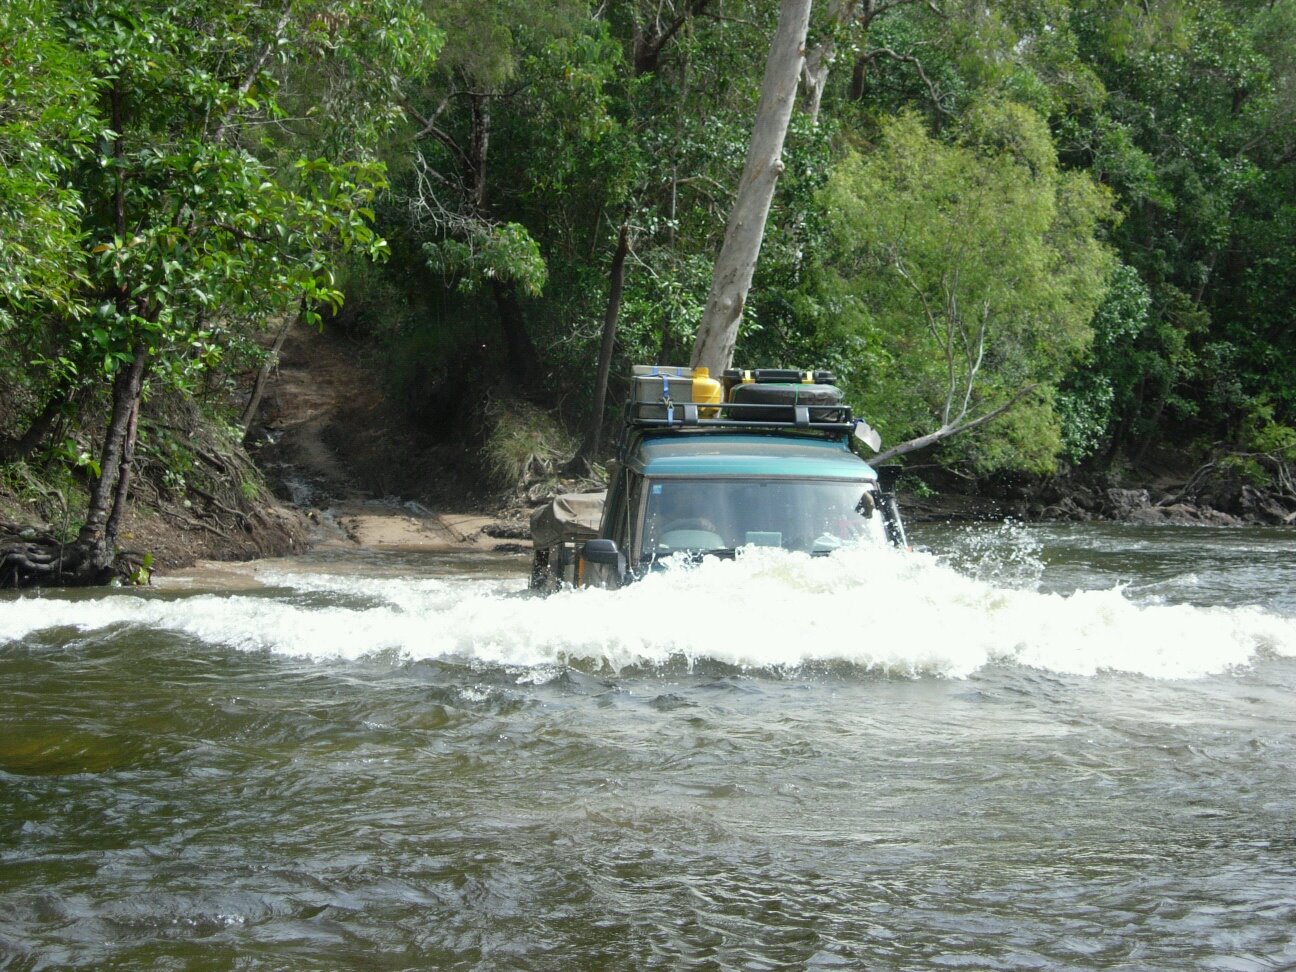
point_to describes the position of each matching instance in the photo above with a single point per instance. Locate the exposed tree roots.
(194, 494)
(29, 558)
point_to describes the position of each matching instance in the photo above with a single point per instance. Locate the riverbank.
(334, 448)
(1216, 493)
(328, 461)
(175, 533)
(332, 461)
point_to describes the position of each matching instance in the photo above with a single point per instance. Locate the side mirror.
(868, 435)
(602, 551)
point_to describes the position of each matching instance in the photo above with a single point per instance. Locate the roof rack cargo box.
(762, 376)
(826, 402)
(652, 396)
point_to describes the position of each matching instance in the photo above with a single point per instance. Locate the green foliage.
(1106, 382)
(46, 123)
(177, 214)
(74, 456)
(47, 494)
(142, 574)
(524, 445)
(485, 253)
(170, 454)
(175, 176)
(967, 271)
(1197, 131)
(168, 189)
(1262, 433)
(915, 486)
(1085, 411)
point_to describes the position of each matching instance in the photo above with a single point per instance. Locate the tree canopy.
(204, 208)
(1081, 210)
(971, 269)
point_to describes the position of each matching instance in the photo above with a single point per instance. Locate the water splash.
(879, 610)
(1006, 554)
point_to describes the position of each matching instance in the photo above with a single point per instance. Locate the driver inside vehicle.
(681, 521)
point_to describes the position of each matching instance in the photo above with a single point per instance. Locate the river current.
(1016, 748)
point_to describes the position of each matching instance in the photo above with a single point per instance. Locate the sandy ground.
(348, 467)
(377, 527)
(354, 529)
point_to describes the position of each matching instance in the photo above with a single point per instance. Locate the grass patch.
(525, 447)
(45, 495)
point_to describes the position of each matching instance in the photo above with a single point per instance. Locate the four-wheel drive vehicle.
(762, 458)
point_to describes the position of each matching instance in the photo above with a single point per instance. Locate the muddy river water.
(1018, 748)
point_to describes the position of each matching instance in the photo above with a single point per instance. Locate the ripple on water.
(992, 775)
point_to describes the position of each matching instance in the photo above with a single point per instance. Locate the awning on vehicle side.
(568, 517)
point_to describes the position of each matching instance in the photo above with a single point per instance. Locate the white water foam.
(769, 609)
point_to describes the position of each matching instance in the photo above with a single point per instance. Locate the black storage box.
(764, 396)
(784, 376)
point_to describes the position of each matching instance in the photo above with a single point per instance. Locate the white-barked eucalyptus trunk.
(718, 330)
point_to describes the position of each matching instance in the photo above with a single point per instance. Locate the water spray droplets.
(878, 611)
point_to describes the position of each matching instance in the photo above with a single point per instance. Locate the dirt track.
(378, 490)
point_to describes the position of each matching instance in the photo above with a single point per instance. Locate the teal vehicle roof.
(803, 457)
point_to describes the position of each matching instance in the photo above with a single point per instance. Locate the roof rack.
(666, 414)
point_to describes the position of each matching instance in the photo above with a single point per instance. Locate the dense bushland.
(1081, 211)
(1068, 226)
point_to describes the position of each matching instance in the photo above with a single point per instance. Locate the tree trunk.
(12, 450)
(949, 429)
(859, 78)
(263, 373)
(718, 330)
(666, 347)
(815, 75)
(90, 559)
(819, 58)
(478, 151)
(594, 436)
(648, 43)
(95, 536)
(44, 559)
(523, 359)
(122, 492)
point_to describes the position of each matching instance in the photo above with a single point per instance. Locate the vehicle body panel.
(693, 479)
(726, 454)
(804, 480)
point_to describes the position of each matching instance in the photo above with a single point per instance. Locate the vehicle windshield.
(815, 516)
